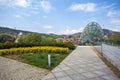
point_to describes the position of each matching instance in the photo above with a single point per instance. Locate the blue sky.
(59, 16)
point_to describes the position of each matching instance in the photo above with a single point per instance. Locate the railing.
(115, 44)
(111, 53)
(100, 46)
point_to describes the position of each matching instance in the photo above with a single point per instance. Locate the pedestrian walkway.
(81, 64)
(112, 54)
(14, 70)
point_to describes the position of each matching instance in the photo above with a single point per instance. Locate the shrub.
(17, 45)
(36, 49)
(30, 38)
(6, 37)
(70, 45)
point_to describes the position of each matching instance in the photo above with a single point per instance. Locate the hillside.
(10, 31)
(110, 32)
(106, 32)
(14, 32)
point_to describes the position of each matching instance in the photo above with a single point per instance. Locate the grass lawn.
(39, 59)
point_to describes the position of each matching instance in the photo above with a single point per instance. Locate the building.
(67, 39)
(92, 34)
(19, 35)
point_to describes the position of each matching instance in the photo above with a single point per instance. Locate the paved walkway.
(112, 54)
(81, 64)
(14, 70)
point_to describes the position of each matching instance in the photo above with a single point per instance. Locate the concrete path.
(112, 54)
(81, 64)
(14, 70)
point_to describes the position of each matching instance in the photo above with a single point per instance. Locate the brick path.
(81, 64)
(14, 70)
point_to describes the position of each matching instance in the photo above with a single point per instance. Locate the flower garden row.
(46, 49)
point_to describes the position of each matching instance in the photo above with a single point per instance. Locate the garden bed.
(39, 59)
(37, 56)
(36, 49)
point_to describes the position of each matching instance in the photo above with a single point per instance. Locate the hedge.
(36, 49)
(17, 45)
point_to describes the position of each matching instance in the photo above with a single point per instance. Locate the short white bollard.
(49, 59)
(67, 49)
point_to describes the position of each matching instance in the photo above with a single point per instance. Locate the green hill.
(12, 32)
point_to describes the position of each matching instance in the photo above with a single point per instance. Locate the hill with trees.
(14, 32)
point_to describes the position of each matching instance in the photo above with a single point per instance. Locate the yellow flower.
(35, 49)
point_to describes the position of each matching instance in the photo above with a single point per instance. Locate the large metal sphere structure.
(92, 33)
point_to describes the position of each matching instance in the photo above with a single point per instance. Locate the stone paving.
(112, 54)
(81, 64)
(14, 70)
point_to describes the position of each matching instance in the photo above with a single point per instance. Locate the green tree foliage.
(35, 39)
(70, 45)
(31, 38)
(114, 38)
(48, 40)
(5, 37)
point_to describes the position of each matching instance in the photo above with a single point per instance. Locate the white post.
(67, 49)
(101, 47)
(49, 59)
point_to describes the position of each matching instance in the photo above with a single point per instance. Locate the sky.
(59, 16)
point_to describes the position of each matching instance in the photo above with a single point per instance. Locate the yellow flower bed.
(36, 49)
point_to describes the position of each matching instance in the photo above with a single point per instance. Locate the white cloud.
(6, 25)
(70, 31)
(26, 14)
(47, 27)
(21, 3)
(116, 23)
(114, 14)
(110, 14)
(12, 3)
(108, 6)
(50, 32)
(18, 16)
(21, 15)
(46, 6)
(115, 28)
(88, 7)
(44, 16)
(35, 22)
(115, 19)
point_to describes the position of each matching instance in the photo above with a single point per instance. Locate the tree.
(114, 38)
(5, 37)
(30, 38)
(47, 40)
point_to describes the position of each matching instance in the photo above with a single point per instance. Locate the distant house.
(19, 35)
(106, 37)
(59, 39)
(67, 39)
